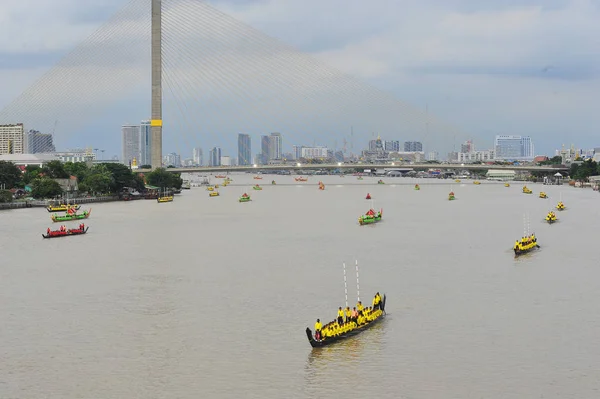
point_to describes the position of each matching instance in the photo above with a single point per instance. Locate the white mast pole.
(345, 284)
(357, 285)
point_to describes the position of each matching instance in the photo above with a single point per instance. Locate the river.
(209, 298)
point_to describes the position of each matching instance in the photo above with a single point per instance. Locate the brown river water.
(209, 298)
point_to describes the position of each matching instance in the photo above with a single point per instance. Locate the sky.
(483, 68)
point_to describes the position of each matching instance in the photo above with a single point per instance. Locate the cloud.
(495, 68)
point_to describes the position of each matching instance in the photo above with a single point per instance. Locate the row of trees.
(103, 178)
(581, 171)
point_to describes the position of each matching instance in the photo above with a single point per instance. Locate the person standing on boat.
(348, 314)
(318, 327)
(376, 301)
(340, 318)
(354, 316)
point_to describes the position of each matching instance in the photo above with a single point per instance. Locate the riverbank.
(45, 203)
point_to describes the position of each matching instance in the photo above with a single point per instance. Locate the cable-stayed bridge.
(202, 77)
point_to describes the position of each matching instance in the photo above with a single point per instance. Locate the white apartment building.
(313, 152)
(481, 156)
(11, 139)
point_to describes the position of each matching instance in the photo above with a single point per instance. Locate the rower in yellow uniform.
(318, 327)
(359, 306)
(340, 318)
(376, 301)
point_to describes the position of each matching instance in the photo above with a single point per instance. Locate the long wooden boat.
(245, 199)
(168, 198)
(523, 249)
(331, 340)
(69, 232)
(370, 219)
(67, 217)
(62, 208)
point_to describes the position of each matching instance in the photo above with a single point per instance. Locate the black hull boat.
(331, 340)
(528, 249)
(74, 232)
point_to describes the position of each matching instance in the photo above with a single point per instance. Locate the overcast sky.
(487, 68)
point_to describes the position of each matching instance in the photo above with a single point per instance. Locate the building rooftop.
(33, 158)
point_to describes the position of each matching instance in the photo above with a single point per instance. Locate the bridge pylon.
(156, 112)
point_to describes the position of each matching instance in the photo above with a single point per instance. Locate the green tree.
(163, 179)
(31, 173)
(45, 187)
(556, 160)
(10, 174)
(121, 176)
(98, 183)
(138, 182)
(582, 171)
(55, 170)
(77, 169)
(99, 179)
(5, 196)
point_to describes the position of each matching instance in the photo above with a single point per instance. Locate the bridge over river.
(388, 166)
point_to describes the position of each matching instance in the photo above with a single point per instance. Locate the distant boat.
(65, 233)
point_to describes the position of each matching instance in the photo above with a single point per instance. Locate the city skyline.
(541, 84)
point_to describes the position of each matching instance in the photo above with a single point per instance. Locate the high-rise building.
(131, 144)
(314, 152)
(467, 147)
(339, 156)
(226, 160)
(275, 146)
(513, 148)
(392, 146)
(297, 151)
(11, 139)
(433, 156)
(145, 144)
(172, 159)
(413, 146)
(35, 142)
(215, 157)
(265, 149)
(137, 143)
(197, 156)
(244, 149)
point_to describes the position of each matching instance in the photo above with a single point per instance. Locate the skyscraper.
(467, 147)
(197, 156)
(131, 143)
(413, 146)
(392, 146)
(172, 159)
(215, 157)
(35, 142)
(244, 149)
(11, 139)
(265, 149)
(275, 146)
(513, 148)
